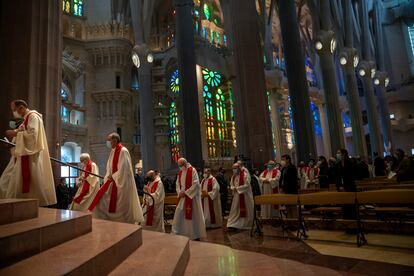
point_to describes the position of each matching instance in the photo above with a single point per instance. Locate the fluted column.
(251, 112)
(31, 43)
(276, 127)
(367, 72)
(325, 131)
(381, 82)
(191, 135)
(298, 86)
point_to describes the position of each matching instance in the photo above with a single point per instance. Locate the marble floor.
(340, 255)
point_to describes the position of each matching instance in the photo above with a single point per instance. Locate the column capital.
(366, 69)
(381, 79)
(325, 42)
(349, 57)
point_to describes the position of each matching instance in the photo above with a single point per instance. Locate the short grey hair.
(115, 136)
(85, 156)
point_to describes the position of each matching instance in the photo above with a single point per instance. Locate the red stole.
(188, 204)
(242, 202)
(315, 171)
(86, 185)
(105, 187)
(150, 214)
(210, 201)
(274, 174)
(25, 160)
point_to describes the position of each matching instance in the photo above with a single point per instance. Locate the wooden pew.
(388, 196)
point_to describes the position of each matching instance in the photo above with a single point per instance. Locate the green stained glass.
(174, 133)
(215, 21)
(78, 7)
(207, 12)
(212, 78)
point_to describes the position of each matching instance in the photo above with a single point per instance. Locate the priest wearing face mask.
(31, 174)
(269, 184)
(210, 197)
(188, 218)
(88, 184)
(154, 217)
(242, 207)
(117, 199)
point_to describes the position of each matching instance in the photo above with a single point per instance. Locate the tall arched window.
(74, 7)
(316, 119)
(66, 6)
(174, 134)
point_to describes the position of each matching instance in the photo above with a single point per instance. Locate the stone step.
(95, 253)
(26, 238)
(13, 210)
(160, 254)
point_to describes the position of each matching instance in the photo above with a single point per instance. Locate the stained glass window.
(204, 32)
(174, 132)
(316, 119)
(78, 7)
(211, 36)
(64, 94)
(218, 40)
(175, 82)
(64, 114)
(225, 39)
(66, 6)
(207, 12)
(211, 78)
(411, 36)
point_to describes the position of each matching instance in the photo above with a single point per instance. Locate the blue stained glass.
(316, 119)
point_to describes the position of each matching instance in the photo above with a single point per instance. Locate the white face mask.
(205, 175)
(16, 114)
(12, 124)
(183, 167)
(108, 144)
(283, 163)
(235, 171)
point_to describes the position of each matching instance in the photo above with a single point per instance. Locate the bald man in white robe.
(88, 185)
(32, 175)
(154, 209)
(242, 206)
(188, 218)
(117, 199)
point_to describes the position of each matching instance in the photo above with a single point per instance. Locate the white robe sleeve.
(29, 141)
(274, 181)
(124, 168)
(244, 188)
(195, 187)
(215, 191)
(261, 180)
(92, 180)
(158, 195)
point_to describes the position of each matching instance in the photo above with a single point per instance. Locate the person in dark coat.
(224, 189)
(379, 164)
(139, 181)
(323, 173)
(345, 172)
(289, 182)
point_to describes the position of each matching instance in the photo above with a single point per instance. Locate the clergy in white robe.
(88, 185)
(188, 218)
(311, 174)
(154, 207)
(210, 197)
(269, 184)
(32, 172)
(242, 207)
(117, 199)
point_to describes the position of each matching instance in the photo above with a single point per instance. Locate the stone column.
(367, 72)
(298, 86)
(349, 60)
(31, 43)
(146, 110)
(276, 128)
(191, 138)
(252, 119)
(325, 131)
(381, 82)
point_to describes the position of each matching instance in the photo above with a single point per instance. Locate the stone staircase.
(42, 241)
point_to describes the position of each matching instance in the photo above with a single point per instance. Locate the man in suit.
(289, 182)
